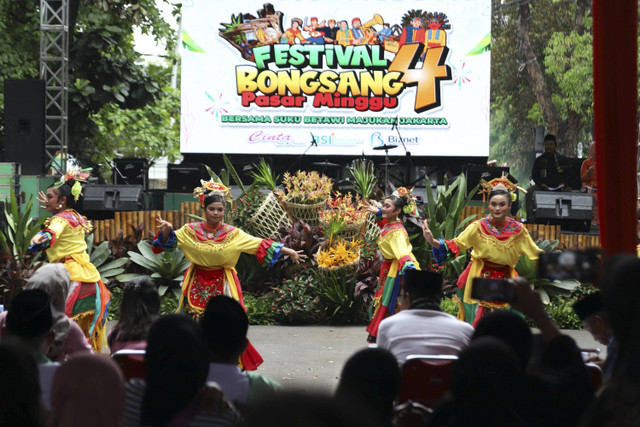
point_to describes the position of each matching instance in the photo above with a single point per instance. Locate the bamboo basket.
(307, 213)
(372, 230)
(254, 33)
(350, 265)
(266, 221)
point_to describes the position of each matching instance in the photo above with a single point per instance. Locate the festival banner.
(336, 77)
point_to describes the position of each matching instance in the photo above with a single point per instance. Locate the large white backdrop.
(345, 98)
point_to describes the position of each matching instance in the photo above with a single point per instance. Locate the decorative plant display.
(263, 175)
(363, 173)
(344, 216)
(245, 207)
(294, 299)
(307, 188)
(338, 254)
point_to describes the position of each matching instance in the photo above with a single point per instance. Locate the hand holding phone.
(493, 290)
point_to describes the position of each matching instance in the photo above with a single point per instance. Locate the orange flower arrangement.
(339, 254)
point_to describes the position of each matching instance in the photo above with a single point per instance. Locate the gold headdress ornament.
(501, 183)
(211, 188)
(79, 176)
(410, 208)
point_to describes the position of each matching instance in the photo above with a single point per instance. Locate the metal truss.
(54, 70)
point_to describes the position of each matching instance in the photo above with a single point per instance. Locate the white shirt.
(423, 332)
(232, 381)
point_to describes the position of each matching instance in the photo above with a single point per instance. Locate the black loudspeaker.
(131, 171)
(572, 174)
(572, 211)
(24, 124)
(113, 198)
(184, 177)
(474, 173)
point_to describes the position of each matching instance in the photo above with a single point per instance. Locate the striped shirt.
(133, 409)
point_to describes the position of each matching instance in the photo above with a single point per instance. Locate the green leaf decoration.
(483, 46)
(190, 44)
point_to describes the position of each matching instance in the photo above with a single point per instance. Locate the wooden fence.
(547, 232)
(127, 221)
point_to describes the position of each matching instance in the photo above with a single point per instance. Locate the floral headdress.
(211, 188)
(501, 183)
(410, 208)
(79, 176)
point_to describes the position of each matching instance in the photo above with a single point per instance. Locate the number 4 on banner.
(427, 79)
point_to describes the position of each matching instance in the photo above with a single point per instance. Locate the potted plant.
(344, 217)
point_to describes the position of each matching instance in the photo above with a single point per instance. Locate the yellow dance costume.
(88, 298)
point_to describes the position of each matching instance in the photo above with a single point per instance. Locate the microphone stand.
(406, 152)
(115, 168)
(311, 144)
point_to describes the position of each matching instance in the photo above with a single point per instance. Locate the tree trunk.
(566, 131)
(535, 73)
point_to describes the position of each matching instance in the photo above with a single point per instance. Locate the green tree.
(105, 71)
(536, 67)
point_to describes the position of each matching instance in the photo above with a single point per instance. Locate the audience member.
(552, 389)
(225, 325)
(619, 403)
(295, 409)
(549, 171)
(68, 336)
(29, 320)
(139, 308)
(422, 327)
(88, 390)
(173, 391)
(510, 328)
(20, 403)
(371, 377)
(595, 319)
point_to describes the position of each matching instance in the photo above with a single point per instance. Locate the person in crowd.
(511, 328)
(315, 409)
(174, 390)
(20, 395)
(397, 252)
(63, 240)
(422, 327)
(552, 388)
(29, 320)
(413, 33)
(139, 308)
(618, 405)
(87, 390)
(330, 31)
(293, 33)
(213, 248)
(549, 172)
(371, 377)
(595, 319)
(225, 325)
(68, 337)
(498, 242)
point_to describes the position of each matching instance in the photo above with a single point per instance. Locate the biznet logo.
(377, 139)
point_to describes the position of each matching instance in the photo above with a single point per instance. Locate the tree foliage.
(109, 84)
(549, 84)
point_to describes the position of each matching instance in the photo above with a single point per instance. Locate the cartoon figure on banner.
(344, 36)
(293, 33)
(413, 32)
(330, 32)
(435, 36)
(315, 35)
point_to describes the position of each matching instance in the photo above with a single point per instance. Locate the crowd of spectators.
(505, 375)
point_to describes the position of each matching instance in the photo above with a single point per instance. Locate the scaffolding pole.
(54, 70)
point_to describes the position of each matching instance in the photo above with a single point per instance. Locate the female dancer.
(62, 237)
(498, 241)
(213, 248)
(396, 250)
